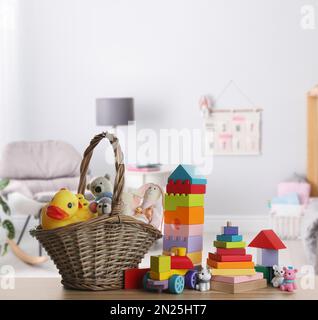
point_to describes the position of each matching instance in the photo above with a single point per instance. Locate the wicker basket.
(93, 255)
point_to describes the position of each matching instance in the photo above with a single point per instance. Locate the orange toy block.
(231, 265)
(185, 215)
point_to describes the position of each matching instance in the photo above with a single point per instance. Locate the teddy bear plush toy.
(289, 283)
(102, 189)
(104, 206)
(279, 273)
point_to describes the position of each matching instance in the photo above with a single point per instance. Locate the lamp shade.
(114, 111)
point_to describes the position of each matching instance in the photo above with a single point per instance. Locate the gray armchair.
(37, 170)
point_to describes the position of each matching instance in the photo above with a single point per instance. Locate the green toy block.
(267, 272)
(160, 263)
(172, 201)
(229, 245)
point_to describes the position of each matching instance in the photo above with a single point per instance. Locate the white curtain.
(10, 91)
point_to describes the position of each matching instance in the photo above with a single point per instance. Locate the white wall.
(166, 54)
(10, 91)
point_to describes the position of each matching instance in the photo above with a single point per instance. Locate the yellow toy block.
(168, 274)
(178, 251)
(231, 265)
(160, 263)
(180, 272)
(160, 275)
(195, 257)
(172, 201)
(232, 272)
(229, 245)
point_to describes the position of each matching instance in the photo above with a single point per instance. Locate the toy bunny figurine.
(278, 276)
(289, 280)
(149, 210)
(131, 200)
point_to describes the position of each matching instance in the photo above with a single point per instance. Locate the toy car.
(172, 273)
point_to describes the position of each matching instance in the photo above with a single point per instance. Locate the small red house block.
(268, 243)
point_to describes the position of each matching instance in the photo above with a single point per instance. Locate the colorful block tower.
(232, 269)
(184, 212)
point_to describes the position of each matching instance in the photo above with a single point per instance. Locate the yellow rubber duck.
(61, 211)
(84, 212)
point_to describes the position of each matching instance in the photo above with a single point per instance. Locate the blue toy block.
(187, 172)
(192, 244)
(267, 257)
(230, 231)
(229, 238)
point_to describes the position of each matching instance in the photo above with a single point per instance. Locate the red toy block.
(229, 258)
(185, 187)
(267, 239)
(181, 262)
(133, 278)
(231, 252)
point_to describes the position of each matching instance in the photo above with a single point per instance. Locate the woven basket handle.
(120, 169)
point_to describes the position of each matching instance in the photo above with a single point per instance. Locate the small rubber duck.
(61, 211)
(84, 211)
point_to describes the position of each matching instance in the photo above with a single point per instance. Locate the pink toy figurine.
(289, 280)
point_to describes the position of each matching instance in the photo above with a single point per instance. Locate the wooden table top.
(51, 289)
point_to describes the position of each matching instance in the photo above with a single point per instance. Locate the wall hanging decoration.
(232, 131)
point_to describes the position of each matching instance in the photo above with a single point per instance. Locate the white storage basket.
(286, 220)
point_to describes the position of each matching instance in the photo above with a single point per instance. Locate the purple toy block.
(267, 257)
(157, 285)
(183, 230)
(230, 231)
(192, 244)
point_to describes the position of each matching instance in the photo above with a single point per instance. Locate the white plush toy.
(104, 206)
(204, 277)
(279, 276)
(131, 200)
(101, 187)
(150, 210)
(145, 204)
